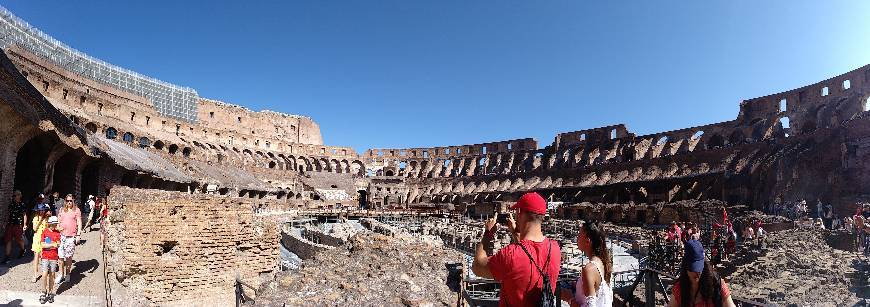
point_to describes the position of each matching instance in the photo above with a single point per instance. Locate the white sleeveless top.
(602, 298)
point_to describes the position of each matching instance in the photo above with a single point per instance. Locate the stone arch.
(335, 166)
(144, 142)
(492, 186)
(760, 130)
(305, 164)
(128, 137)
(111, 133)
(324, 163)
(358, 168)
(716, 141)
(504, 186)
(91, 127)
(737, 137)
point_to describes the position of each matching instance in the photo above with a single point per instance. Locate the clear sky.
(405, 73)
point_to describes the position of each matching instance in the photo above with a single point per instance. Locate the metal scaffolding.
(169, 99)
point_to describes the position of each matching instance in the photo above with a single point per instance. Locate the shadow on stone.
(76, 274)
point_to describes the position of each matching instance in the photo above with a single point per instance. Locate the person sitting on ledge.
(520, 266)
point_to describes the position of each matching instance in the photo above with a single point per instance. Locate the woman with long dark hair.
(698, 284)
(593, 288)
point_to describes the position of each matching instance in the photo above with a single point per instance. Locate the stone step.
(26, 298)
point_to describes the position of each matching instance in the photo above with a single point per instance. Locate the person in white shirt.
(593, 288)
(91, 207)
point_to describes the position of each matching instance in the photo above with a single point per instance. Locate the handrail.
(106, 288)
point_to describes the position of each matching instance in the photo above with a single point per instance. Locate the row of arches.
(582, 155)
(589, 179)
(245, 157)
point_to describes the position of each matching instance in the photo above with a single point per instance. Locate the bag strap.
(549, 245)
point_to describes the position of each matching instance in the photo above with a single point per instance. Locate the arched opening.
(30, 165)
(128, 137)
(357, 168)
(159, 145)
(91, 127)
(90, 180)
(389, 173)
(662, 140)
(111, 133)
(758, 131)
(173, 149)
(64, 180)
(867, 104)
(272, 164)
(697, 135)
(716, 141)
(784, 122)
(129, 179)
(144, 142)
(737, 137)
(186, 151)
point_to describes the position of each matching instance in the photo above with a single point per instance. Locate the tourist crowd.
(50, 228)
(528, 268)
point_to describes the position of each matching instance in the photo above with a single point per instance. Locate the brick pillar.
(77, 181)
(7, 182)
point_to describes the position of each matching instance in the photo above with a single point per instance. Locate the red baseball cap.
(532, 202)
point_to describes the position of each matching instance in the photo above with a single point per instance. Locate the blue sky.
(402, 73)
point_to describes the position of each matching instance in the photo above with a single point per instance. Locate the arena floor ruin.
(286, 219)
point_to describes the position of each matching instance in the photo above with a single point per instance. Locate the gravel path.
(85, 288)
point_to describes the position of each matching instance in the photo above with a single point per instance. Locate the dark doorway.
(30, 165)
(363, 199)
(90, 177)
(65, 174)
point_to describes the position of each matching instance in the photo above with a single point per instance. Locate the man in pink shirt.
(70, 226)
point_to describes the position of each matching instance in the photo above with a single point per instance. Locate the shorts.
(13, 232)
(67, 247)
(48, 266)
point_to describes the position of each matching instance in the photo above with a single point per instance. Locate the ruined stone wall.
(171, 248)
(241, 124)
(264, 140)
(805, 143)
(378, 227)
(302, 247)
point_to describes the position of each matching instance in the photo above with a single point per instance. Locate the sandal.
(43, 298)
(50, 298)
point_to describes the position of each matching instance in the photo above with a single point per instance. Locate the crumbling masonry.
(74, 124)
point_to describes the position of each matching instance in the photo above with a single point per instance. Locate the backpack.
(548, 297)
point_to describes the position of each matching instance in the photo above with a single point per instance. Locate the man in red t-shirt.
(521, 282)
(48, 263)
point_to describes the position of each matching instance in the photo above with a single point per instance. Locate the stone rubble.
(375, 270)
(799, 268)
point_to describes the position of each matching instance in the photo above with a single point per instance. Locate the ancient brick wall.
(300, 246)
(169, 248)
